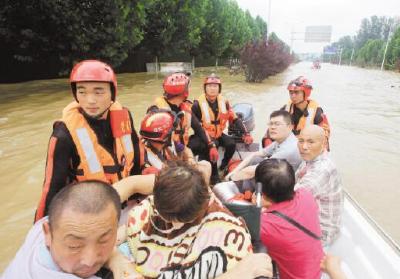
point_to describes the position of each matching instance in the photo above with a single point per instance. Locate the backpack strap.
(294, 223)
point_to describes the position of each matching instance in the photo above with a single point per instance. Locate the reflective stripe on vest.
(184, 124)
(88, 149)
(153, 159)
(95, 161)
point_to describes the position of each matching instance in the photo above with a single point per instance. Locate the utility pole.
(340, 58)
(386, 47)
(269, 16)
(351, 58)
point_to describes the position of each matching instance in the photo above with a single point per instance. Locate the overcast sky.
(343, 15)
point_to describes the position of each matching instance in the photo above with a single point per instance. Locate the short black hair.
(180, 192)
(285, 114)
(277, 179)
(90, 196)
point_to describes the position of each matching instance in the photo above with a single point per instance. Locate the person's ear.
(265, 202)
(47, 233)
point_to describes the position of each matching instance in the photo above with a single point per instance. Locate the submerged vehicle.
(365, 249)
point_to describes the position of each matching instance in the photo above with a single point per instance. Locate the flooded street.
(363, 108)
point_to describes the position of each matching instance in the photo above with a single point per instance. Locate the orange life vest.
(304, 121)
(95, 161)
(214, 127)
(181, 133)
(152, 159)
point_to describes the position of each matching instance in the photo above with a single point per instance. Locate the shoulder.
(61, 132)
(305, 195)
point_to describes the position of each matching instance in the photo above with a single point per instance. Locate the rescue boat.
(366, 251)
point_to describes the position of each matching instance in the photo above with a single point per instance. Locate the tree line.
(367, 48)
(44, 38)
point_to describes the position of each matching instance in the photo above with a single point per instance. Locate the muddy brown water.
(363, 107)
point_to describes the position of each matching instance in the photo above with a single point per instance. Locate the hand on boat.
(331, 264)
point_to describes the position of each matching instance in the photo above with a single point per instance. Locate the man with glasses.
(303, 110)
(283, 147)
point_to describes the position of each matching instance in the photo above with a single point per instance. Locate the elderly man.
(283, 147)
(319, 174)
(77, 237)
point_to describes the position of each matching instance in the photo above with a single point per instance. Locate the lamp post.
(269, 15)
(351, 58)
(386, 47)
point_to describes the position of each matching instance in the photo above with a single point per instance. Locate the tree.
(66, 31)
(218, 32)
(160, 26)
(241, 31)
(393, 51)
(375, 28)
(262, 59)
(371, 53)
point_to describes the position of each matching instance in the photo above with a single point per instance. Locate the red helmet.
(93, 70)
(176, 84)
(157, 126)
(301, 83)
(213, 79)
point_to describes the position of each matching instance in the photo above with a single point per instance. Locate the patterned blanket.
(204, 248)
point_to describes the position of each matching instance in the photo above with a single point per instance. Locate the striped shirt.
(320, 176)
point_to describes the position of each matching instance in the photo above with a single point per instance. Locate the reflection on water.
(362, 107)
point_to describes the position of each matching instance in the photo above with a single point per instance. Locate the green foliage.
(369, 43)
(51, 35)
(375, 28)
(371, 53)
(160, 25)
(217, 34)
(71, 30)
(393, 51)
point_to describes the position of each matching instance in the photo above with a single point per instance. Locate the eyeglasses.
(276, 124)
(295, 92)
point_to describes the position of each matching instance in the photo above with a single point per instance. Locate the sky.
(343, 15)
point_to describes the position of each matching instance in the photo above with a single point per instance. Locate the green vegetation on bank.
(368, 46)
(43, 38)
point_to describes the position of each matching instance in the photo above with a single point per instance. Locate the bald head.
(314, 131)
(311, 142)
(88, 197)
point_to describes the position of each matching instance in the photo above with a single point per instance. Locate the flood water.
(363, 107)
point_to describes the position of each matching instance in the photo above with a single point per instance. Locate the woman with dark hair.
(184, 231)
